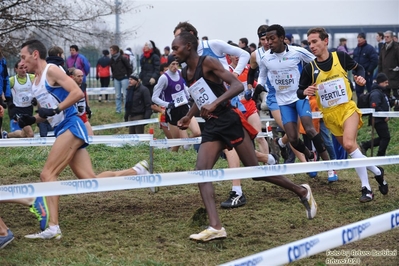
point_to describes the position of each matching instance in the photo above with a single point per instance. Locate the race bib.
(179, 98)
(332, 93)
(201, 93)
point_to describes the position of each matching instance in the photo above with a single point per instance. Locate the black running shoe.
(367, 195)
(234, 201)
(383, 185)
(283, 150)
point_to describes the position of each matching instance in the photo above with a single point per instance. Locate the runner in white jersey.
(264, 85)
(282, 65)
(220, 49)
(21, 90)
(56, 94)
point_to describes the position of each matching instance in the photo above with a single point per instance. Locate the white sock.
(280, 142)
(361, 171)
(270, 159)
(237, 189)
(54, 228)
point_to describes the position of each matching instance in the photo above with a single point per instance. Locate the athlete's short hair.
(321, 31)
(262, 30)
(278, 28)
(55, 51)
(185, 26)
(36, 45)
(17, 63)
(186, 37)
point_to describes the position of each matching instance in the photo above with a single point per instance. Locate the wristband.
(57, 110)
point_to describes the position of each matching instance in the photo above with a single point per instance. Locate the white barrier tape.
(325, 241)
(101, 139)
(367, 111)
(126, 124)
(180, 178)
(166, 143)
(97, 91)
(386, 114)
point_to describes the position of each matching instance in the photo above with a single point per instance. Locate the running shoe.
(142, 168)
(309, 203)
(234, 200)
(332, 176)
(4, 134)
(209, 234)
(283, 150)
(383, 185)
(5, 240)
(312, 174)
(367, 195)
(40, 209)
(46, 234)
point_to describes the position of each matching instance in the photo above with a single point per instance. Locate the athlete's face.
(174, 66)
(317, 45)
(234, 59)
(180, 51)
(264, 43)
(276, 44)
(20, 70)
(78, 76)
(28, 60)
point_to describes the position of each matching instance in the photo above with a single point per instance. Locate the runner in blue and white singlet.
(282, 65)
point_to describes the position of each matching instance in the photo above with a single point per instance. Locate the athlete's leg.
(61, 153)
(208, 154)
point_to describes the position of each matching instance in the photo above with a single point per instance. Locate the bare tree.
(55, 20)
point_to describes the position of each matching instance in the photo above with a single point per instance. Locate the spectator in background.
(289, 40)
(121, 70)
(103, 72)
(252, 47)
(82, 105)
(365, 55)
(388, 63)
(305, 44)
(395, 38)
(205, 38)
(379, 101)
(56, 57)
(380, 41)
(342, 46)
(243, 44)
(78, 61)
(138, 104)
(155, 49)
(132, 58)
(164, 57)
(149, 62)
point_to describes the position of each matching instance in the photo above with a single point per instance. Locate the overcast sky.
(232, 20)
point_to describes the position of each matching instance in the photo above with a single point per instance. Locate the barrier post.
(151, 131)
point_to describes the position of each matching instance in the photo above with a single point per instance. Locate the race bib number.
(332, 93)
(179, 98)
(283, 80)
(201, 93)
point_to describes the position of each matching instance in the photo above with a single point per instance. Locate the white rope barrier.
(97, 91)
(180, 178)
(325, 241)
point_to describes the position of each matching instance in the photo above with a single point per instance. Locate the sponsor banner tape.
(180, 178)
(324, 242)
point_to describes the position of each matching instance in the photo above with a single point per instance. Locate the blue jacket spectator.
(78, 61)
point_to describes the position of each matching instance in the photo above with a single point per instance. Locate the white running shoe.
(309, 203)
(142, 168)
(46, 234)
(209, 234)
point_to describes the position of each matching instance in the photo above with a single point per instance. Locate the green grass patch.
(136, 227)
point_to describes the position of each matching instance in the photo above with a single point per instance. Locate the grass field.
(136, 227)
